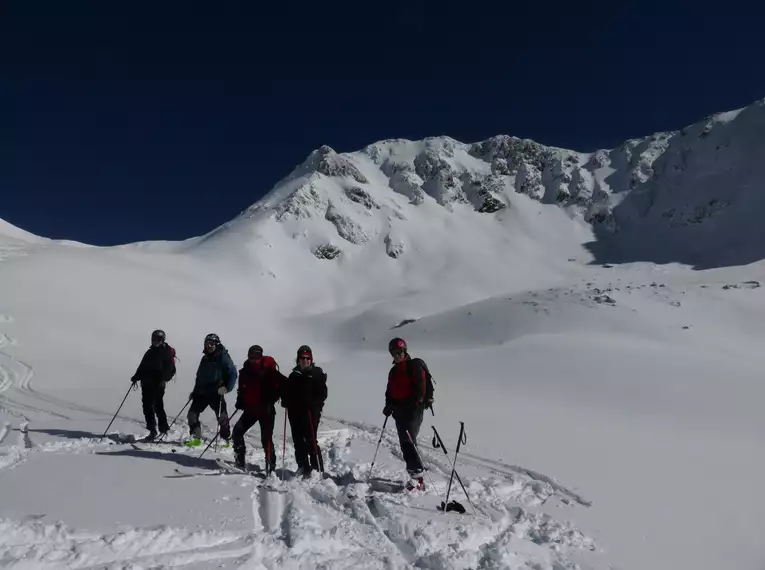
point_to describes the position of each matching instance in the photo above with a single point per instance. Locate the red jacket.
(406, 384)
(259, 384)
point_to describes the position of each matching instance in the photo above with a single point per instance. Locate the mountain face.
(692, 196)
(686, 196)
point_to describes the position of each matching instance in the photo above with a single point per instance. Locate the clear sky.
(131, 120)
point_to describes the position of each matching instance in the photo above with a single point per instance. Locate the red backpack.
(268, 362)
(172, 360)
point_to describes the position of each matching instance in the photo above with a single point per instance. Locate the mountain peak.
(354, 196)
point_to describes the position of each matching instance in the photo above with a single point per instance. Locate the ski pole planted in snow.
(462, 439)
(284, 445)
(220, 408)
(379, 441)
(417, 451)
(231, 417)
(319, 460)
(454, 506)
(132, 387)
(173, 423)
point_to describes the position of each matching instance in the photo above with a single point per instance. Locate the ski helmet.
(397, 344)
(213, 339)
(255, 351)
(158, 336)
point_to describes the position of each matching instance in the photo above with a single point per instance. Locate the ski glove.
(222, 391)
(387, 411)
(239, 405)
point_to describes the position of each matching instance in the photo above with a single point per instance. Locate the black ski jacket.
(156, 366)
(305, 390)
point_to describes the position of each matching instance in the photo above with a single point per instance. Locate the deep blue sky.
(130, 120)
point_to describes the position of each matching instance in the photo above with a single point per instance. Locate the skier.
(216, 376)
(405, 400)
(259, 384)
(156, 368)
(303, 397)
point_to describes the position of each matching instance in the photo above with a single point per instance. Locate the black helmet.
(158, 336)
(255, 351)
(397, 344)
(213, 339)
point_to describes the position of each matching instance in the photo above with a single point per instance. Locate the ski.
(186, 475)
(229, 467)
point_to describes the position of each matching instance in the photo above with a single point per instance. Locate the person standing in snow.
(259, 384)
(303, 397)
(157, 367)
(216, 376)
(405, 400)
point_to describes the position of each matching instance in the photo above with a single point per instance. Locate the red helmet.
(397, 344)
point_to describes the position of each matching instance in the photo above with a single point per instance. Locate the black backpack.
(429, 383)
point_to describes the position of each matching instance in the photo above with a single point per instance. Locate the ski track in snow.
(544, 486)
(32, 544)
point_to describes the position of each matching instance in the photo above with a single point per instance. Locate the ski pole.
(462, 439)
(438, 442)
(270, 437)
(173, 423)
(231, 417)
(284, 444)
(319, 460)
(417, 451)
(133, 386)
(220, 407)
(379, 441)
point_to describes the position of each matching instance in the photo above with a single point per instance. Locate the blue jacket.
(215, 370)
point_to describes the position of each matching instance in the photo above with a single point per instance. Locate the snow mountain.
(667, 197)
(593, 318)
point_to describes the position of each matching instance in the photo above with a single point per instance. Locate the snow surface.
(613, 412)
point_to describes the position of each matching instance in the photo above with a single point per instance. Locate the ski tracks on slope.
(332, 524)
(34, 545)
(537, 487)
(14, 375)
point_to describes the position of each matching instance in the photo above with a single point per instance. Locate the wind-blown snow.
(613, 412)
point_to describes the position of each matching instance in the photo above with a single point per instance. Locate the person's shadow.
(179, 458)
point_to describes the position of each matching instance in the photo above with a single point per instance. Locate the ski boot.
(416, 481)
(149, 438)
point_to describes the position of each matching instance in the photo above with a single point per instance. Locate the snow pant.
(409, 420)
(199, 404)
(307, 452)
(248, 419)
(152, 394)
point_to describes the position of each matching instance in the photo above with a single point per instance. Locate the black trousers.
(199, 404)
(409, 420)
(307, 452)
(248, 419)
(152, 394)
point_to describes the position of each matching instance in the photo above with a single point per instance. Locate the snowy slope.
(613, 413)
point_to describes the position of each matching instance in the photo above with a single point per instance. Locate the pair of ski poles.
(437, 443)
(284, 441)
(135, 387)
